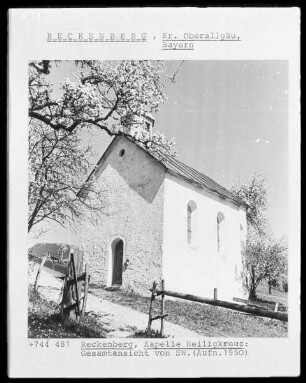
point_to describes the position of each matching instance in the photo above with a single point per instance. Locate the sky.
(230, 121)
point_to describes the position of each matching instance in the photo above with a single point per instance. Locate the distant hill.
(56, 250)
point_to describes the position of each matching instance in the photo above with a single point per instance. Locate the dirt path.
(117, 320)
(123, 321)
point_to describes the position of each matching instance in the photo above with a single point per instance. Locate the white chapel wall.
(198, 268)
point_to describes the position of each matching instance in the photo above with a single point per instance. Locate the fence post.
(162, 306)
(67, 293)
(75, 286)
(64, 296)
(215, 293)
(85, 291)
(151, 304)
(276, 307)
(43, 260)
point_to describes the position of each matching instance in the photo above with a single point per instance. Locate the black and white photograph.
(119, 211)
(154, 210)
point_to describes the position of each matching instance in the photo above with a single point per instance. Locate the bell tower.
(139, 123)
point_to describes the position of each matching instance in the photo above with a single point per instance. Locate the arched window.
(242, 238)
(191, 222)
(242, 234)
(220, 232)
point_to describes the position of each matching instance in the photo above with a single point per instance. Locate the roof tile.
(192, 175)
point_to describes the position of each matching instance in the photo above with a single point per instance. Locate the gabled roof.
(181, 170)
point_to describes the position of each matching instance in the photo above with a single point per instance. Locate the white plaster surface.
(133, 212)
(199, 268)
(146, 207)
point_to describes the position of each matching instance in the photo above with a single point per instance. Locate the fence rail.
(228, 305)
(74, 281)
(59, 270)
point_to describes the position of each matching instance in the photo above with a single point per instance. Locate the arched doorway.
(117, 256)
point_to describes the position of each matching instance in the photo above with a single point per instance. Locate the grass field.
(270, 300)
(44, 321)
(204, 319)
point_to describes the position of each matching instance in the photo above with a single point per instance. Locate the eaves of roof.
(180, 170)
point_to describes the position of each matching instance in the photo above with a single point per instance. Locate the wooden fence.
(74, 281)
(57, 269)
(214, 302)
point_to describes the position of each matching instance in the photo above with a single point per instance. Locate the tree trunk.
(253, 285)
(252, 291)
(270, 287)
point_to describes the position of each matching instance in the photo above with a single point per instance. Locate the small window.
(220, 232)
(241, 232)
(242, 236)
(121, 152)
(191, 222)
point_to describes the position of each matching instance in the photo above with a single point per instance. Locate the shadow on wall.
(143, 174)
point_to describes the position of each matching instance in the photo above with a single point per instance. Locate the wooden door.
(117, 263)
